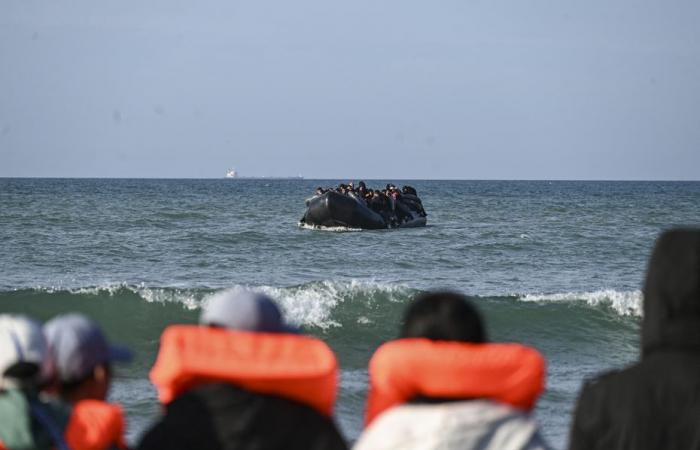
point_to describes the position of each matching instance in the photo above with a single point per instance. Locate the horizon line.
(282, 178)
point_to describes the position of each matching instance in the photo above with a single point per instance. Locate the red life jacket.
(406, 368)
(297, 367)
(95, 425)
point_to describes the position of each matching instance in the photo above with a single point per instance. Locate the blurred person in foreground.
(28, 420)
(443, 386)
(243, 379)
(655, 403)
(83, 361)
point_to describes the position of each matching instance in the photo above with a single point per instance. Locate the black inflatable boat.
(333, 209)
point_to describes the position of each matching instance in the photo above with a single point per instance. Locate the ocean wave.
(311, 304)
(625, 303)
(321, 304)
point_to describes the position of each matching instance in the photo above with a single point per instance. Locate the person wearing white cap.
(27, 420)
(243, 379)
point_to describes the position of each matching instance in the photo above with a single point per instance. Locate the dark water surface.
(557, 265)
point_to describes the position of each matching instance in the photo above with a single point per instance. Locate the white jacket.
(474, 424)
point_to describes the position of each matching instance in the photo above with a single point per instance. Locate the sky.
(404, 89)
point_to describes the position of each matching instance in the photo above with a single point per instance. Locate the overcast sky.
(596, 89)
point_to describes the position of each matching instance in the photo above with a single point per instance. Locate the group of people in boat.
(395, 205)
(245, 378)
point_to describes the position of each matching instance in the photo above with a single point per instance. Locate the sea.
(557, 265)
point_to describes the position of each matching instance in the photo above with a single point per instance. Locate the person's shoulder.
(439, 425)
(608, 378)
(204, 415)
(620, 382)
(602, 396)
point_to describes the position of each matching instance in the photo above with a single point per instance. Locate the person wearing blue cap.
(243, 379)
(83, 361)
(82, 357)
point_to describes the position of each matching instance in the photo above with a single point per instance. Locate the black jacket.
(655, 404)
(220, 416)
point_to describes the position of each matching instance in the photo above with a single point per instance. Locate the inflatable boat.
(333, 209)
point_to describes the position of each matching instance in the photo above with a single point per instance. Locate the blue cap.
(241, 309)
(78, 346)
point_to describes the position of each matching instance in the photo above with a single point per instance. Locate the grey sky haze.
(361, 89)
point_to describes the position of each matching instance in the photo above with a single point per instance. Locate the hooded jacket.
(471, 424)
(221, 416)
(654, 404)
(20, 429)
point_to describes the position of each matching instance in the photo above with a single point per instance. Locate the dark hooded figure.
(654, 404)
(362, 190)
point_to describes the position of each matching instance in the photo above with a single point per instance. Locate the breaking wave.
(323, 304)
(625, 303)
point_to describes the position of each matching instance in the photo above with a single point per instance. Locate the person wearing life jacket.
(654, 403)
(243, 379)
(83, 361)
(443, 386)
(28, 419)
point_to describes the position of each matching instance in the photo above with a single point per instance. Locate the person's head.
(443, 316)
(244, 310)
(672, 292)
(83, 357)
(409, 190)
(362, 185)
(25, 361)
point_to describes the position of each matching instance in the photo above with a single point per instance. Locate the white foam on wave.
(186, 297)
(313, 304)
(333, 229)
(625, 303)
(183, 296)
(310, 304)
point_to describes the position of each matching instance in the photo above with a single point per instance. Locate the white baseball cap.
(22, 341)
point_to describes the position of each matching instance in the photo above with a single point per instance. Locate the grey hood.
(672, 294)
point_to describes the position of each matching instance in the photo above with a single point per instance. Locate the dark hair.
(443, 316)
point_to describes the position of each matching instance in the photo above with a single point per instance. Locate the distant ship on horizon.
(233, 174)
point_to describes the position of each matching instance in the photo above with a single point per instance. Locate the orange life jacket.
(297, 367)
(2, 446)
(95, 425)
(406, 368)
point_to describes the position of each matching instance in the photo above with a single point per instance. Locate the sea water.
(553, 264)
